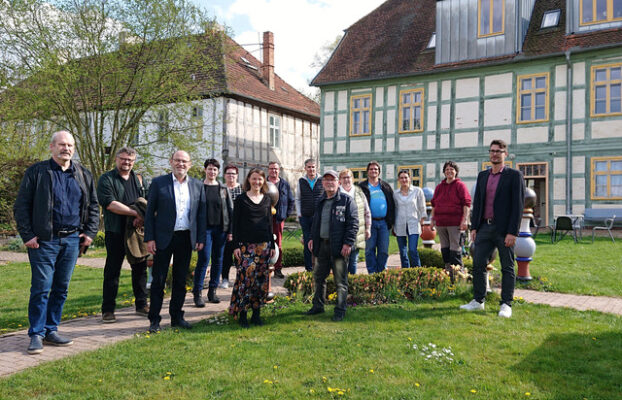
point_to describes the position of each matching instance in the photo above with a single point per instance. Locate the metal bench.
(598, 216)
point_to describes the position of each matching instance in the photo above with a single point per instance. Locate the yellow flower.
(332, 296)
(593, 338)
(417, 384)
(324, 379)
(473, 391)
(275, 367)
(267, 381)
(527, 394)
(410, 339)
(167, 378)
(340, 393)
(311, 391)
(147, 336)
(330, 389)
(371, 370)
(169, 373)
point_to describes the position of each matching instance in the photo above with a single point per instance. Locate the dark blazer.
(161, 211)
(508, 204)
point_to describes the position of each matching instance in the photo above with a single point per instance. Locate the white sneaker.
(474, 305)
(505, 311)
(224, 284)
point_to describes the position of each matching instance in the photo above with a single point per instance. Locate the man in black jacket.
(57, 216)
(333, 234)
(382, 206)
(495, 222)
(309, 193)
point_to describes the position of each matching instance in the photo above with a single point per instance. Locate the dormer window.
(550, 19)
(491, 16)
(599, 11)
(432, 42)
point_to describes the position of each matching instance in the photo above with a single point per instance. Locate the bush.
(384, 287)
(16, 244)
(293, 257)
(100, 239)
(434, 258)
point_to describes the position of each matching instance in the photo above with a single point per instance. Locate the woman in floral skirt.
(254, 246)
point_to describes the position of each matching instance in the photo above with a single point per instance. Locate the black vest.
(309, 199)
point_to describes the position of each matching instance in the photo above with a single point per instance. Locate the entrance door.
(536, 178)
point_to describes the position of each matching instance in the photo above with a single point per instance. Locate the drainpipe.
(568, 134)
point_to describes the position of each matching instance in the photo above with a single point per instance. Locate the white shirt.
(182, 204)
(409, 210)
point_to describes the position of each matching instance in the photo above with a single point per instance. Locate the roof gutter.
(517, 59)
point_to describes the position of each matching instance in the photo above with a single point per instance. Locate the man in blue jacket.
(333, 233)
(284, 207)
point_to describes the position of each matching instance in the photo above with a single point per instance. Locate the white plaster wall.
(432, 89)
(390, 144)
(536, 134)
(467, 169)
(467, 115)
(391, 122)
(559, 209)
(559, 165)
(329, 128)
(446, 90)
(578, 74)
(578, 104)
(560, 133)
(431, 119)
(430, 171)
(578, 209)
(498, 112)
(606, 129)
(342, 125)
(560, 106)
(389, 171)
(342, 100)
(358, 91)
(467, 139)
(360, 146)
(503, 134)
(431, 140)
(341, 147)
(578, 165)
(559, 189)
(409, 143)
(498, 84)
(391, 93)
(578, 131)
(578, 188)
(329, 101)
(378, 123)
(560, 76)
(378, 145)
(444, 141)
(328, 147)
(467, 88)
(379, 96)
(445, 115)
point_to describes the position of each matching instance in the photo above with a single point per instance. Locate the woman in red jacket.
(450, 213)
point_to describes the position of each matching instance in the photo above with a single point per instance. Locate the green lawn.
(85, 294)
(541, 353)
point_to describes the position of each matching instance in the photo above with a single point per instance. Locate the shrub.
(100, 239)
(293, 257)
(16, 244)
(384, 287)
(434, 258)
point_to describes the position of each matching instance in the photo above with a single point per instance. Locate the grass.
(541, 353)
(85, 294)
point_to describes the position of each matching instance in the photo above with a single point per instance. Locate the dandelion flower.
(527, 394)
(410, 339)
(275, 367)
(417, 384)
(340, 393)
(311, 391)
(324, 379)
(473, 391)
(267, 381)
(371, 370)
(167, 378)
(330, 389)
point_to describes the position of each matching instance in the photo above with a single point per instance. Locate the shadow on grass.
(575, 366)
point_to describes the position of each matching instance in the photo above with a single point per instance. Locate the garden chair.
(563, 225)
(607, 227)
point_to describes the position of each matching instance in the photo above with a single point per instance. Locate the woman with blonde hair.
(346, 179)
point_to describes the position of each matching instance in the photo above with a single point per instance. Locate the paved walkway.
(89, 333)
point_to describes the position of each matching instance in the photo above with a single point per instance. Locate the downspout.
(225, 137)
(568, 133)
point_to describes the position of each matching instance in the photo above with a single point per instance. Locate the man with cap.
(333, 233)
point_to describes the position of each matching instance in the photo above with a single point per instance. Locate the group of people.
(57, 217)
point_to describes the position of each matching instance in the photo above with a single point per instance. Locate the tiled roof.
(391, 42)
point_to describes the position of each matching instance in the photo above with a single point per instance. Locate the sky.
(300, 27)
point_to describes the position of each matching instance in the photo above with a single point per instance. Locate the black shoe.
(36, 346)
(242, 320)
(279, 274)
(154, 327)
(314, 311)
(256, 318)
(54, 339)
(338, 317)
(211, 296)
(181, 323)
(198, 300)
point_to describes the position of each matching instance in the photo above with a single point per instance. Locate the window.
(607, 178)
(533, 98)
(359, 174)
(197, 112)
(360, 115)
(491, 17)
(416, 174)
(550, 19)
(432, 42)
(599, 11)
(275, 131)
(411, 111)
(162, 124)
(606, 85)
(488, 164)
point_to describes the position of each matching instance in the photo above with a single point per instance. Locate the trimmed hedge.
(383, 287)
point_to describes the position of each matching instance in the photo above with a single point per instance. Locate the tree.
(108, 71)
(320, 59)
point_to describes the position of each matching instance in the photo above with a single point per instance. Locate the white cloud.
(300, 27)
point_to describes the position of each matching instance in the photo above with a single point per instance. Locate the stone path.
(89, 333)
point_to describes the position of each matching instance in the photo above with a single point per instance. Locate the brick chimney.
(267, 70)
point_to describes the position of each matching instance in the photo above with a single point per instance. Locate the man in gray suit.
(174, 225)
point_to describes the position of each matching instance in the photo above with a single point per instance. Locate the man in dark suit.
(174, 225)
(495, 222)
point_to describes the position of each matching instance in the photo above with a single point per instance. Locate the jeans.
(115, 252)
(214, 247)
(486, 240)
(379, 240)
(410, 250)
(305, 224)
(325, 261)
(51, 266)
(353, 260)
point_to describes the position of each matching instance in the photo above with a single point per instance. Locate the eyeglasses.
(496, 151)
(178, 161)
(129, 160)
